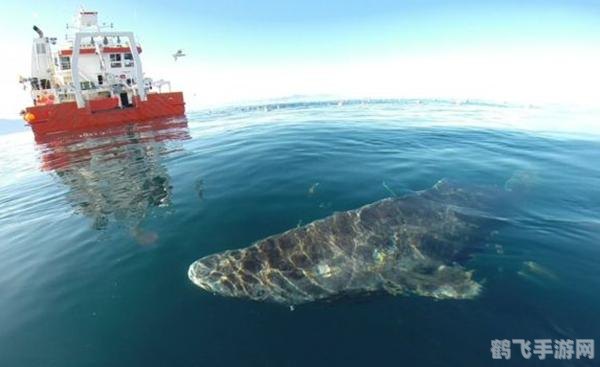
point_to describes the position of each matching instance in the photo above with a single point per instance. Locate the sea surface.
(98, 228)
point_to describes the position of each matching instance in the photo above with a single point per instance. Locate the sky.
(530, 52)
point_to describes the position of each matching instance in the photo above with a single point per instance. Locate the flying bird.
(178, 54)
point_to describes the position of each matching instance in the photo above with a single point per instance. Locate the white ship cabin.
(92, 64)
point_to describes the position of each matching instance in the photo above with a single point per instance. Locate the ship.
(93, 79)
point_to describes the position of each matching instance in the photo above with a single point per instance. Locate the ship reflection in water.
(115, 174)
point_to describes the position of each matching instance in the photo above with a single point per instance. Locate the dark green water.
(97, 233)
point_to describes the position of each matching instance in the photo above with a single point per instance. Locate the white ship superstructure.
(94, 77)
(92, 63)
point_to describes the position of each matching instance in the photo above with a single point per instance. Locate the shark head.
(230, 274)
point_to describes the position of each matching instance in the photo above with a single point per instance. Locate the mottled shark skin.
(400, 245)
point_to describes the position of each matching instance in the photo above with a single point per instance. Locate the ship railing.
(112, 43)
(161, 83)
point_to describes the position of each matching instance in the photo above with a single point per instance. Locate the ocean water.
(97, 231)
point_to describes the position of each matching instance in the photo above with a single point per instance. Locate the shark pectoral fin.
(454, 282)
(443, 282)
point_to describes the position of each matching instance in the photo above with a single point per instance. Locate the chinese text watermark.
(543, 348)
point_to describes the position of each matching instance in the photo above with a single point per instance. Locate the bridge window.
(128, 57)
(65, 63)
(115, 60)
(85, 85)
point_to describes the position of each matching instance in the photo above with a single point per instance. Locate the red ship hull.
(104, 112)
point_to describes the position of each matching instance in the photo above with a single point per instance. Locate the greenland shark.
(400, 245)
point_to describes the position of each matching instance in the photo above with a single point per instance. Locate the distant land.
(12, 126)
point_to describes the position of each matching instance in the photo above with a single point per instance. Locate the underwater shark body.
(400, 245)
